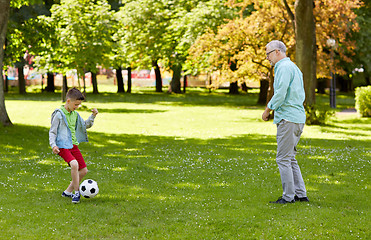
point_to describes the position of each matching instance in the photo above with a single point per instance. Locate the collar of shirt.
(65, 110)
(281, 61)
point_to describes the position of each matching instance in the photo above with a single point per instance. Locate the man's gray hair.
(275, 44)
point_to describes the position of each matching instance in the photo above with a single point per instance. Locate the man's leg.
(300, 190)
(285, 153)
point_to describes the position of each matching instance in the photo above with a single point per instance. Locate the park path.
(347, 111)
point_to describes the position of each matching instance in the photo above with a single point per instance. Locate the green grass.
(194, 166)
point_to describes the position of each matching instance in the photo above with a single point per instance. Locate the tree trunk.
(185, 83)
(6, 84)
(158, 76)
(21, 80)
(306, 51)
(64, 88)
(244, 87)
(343, 83)
(367, 76)
(321, 85)
(50, 82)
(129, 80)
(4, 13)
(94, 82)
(233, 88)
(120, 80)
(263, 93)
(175, 81)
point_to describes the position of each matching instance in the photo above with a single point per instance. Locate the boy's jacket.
(60, 134)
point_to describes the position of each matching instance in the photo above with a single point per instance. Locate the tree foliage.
(243, 39)
(142, 31)
(164, 30)
(83, 31)
(363, 40)
(335, 19)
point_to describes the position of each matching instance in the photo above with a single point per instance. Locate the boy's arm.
(90, 121)
(54, 129)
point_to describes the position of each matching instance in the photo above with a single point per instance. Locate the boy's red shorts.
(71, 154)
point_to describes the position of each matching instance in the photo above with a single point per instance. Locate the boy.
(67, 130)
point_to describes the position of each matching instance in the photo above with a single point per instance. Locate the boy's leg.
(75, 180)
(75, 175)
(75, 151)
(82, 173)
(73, 163)
(78, 171)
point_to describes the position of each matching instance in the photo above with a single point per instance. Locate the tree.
(21, 35)
(335, 19)
(47, 53)
(84, 34)
(4, 13)
(161, 32)
(306, 52)
(243, 39)
(191, 19)
(142, 33)
(363, 42)
(118, 57)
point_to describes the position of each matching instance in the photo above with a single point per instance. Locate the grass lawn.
(194, 166)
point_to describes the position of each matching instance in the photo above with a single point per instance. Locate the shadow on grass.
(123, 110)
(349, 128)
(178, 171)
(189, 99)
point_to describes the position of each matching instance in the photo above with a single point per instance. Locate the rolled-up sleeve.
(90, 121)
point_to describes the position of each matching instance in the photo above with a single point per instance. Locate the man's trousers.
(288, 136)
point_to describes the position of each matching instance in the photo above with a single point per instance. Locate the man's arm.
(266, 114)
(282, 78)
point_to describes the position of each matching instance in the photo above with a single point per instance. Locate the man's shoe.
(301, 199)
(282, 201)
(66, 195)
(76, 198)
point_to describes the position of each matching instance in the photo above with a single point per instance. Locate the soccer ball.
(89, 188)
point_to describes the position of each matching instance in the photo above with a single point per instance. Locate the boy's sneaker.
(66, 195)
(76, 198)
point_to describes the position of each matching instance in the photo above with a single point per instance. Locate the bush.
(317, 115)
(363, 101)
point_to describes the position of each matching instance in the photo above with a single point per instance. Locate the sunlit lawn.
(194, 166)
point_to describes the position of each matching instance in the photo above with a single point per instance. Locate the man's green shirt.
(287, 101)
(71, 120)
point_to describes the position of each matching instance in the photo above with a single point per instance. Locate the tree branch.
(290, 13)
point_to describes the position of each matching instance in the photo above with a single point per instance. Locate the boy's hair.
(75, 94)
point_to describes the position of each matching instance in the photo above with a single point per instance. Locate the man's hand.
(94, 112)
(56, 150)
(266, 113)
